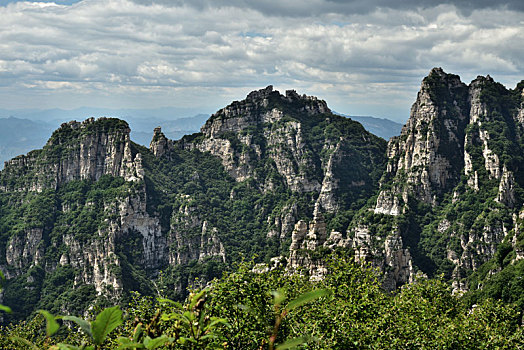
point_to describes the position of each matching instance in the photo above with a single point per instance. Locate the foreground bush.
(276, 310)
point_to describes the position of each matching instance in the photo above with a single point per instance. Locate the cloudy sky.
(363, 57)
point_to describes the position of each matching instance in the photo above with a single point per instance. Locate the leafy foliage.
(272, 310)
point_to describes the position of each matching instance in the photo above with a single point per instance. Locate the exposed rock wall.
(76, 151)
(309, 241)
(84, 151)
(423, 159)
(456, 135)
(192, 238)
(229, 135)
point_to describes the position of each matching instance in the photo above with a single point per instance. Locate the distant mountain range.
(19, 136)
(382, 127)
(24, 130)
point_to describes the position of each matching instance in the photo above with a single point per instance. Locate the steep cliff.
(453, 183)
(295, 141)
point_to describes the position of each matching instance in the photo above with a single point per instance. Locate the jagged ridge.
(110, 215)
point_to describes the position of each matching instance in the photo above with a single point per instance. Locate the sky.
(364, 57)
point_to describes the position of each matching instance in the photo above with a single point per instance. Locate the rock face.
(25, 249)
(268, 127)
(305, 240)
(455, 162)
(245, 132)
(85, 151)
(426, 159)
(84, 206)
(193, 238)
(310, 243)
(77, 151)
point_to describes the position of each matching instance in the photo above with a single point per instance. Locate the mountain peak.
(437, 78)
(260, 94)
(438, 71)
(264, 106)
(73, 129)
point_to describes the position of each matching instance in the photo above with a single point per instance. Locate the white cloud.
(361, 59)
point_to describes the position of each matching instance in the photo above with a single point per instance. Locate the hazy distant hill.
(31, 129)
(382, 127)
(54, 114)
(18, 136)
(142, 128)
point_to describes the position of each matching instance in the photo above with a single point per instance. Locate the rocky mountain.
(452, 189)
(93, 215)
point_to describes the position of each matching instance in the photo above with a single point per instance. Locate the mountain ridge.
(105, 214)
(274, 175)
(21, 135)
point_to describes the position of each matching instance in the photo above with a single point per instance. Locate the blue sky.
(362, 57)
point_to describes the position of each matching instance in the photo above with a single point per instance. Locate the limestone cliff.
(76, 151)
(310, 244)
(450, 185)
(270, 131)
(79, 153)
(425, 160)
(79, 208)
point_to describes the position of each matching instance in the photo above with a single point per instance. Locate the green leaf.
(196, 298)
(306, 298)
(278, 296)
(126, 343)
(137, 333)
(5, 308)
(2, 279)
(170, 302)
(130, 346)
(123, 340)
(292, 343)
(24, 341)
(171, 316)
(215, 321)
(51, 326)
(83, 324)
(62, 346)
(184, 340)
(157, 342)
(189, 316)
(105, 323)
